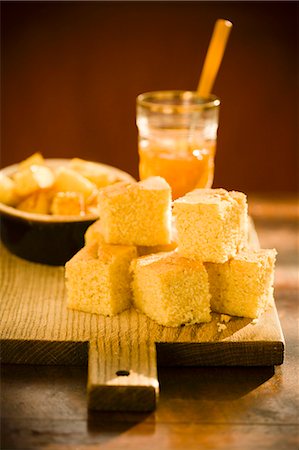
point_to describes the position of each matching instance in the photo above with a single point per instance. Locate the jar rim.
(176, 101)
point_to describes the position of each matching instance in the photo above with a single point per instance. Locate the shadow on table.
(219, 383)
(112, 424)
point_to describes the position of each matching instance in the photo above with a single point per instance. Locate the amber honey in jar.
(177, 133)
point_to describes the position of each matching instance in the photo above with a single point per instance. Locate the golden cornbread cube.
(35, 159)
(94, 234)
(32, 179)
(68, 180)
(68, 204)
(98, 279)
(136, 213)
(171, 289)
(212, 224)
(148, 250)
(38, 202)
(8, 195)
(243, 285)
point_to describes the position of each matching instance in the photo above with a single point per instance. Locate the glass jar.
(177, 134)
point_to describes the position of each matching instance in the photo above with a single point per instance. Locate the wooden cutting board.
(122, 351)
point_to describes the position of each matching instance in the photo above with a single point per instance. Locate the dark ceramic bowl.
(43, 238)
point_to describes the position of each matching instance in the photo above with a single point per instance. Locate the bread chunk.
(31, 179)
(68, 204)
(98, 279)
(38, 202)
(68, 180)
(8, 195)
(35, 159)
(243, 285)
(171, 289)
(136, 213)
(94, 234)
(212, 224)
(99, 174)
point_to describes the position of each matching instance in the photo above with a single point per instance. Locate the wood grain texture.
(128, 382)
(36, 327)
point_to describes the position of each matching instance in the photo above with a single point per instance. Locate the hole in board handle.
(122, 373)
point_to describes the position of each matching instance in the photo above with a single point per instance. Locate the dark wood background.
(71, 72)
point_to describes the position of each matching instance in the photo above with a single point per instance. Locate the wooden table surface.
(199, 407)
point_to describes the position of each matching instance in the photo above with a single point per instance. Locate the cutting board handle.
(122, 376)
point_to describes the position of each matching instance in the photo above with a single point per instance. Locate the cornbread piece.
(7, 191)
(68, 180)
(68, 203)
(32, 179)
(136, 213)
(94, 234)
(38, 202)
(35, 159)
(212, 224)
(171, 289)
(143, 251)
(98, 279)
(99, 174)
(243, 285)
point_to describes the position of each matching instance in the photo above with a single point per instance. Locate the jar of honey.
(177, 133)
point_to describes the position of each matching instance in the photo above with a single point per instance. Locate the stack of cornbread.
(132, 255)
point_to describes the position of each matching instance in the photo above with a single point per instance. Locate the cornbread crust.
(136, 213)
(171, 289)
(98, 279)
(212, 224)
(243, 285)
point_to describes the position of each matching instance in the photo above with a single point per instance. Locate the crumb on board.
(254, 321)
(221, 327)
(225, 318)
